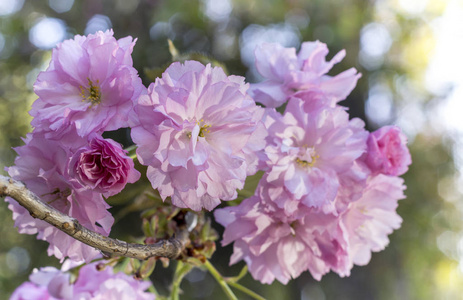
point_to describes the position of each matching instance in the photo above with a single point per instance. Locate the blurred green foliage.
(421, 261)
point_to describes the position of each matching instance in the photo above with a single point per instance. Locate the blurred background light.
(61, 6)
(411, 119)
(413, 7)
(47, 32)
(375, 41)
(444, 73)
(378, 106)
(8, 7)
(17, 260)
(201, 288)
(161, 30)
(96, 23)
(443, 78)
(196, 275)
(217, 10)
(445, 66)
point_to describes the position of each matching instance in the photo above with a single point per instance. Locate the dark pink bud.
(387, 151)
(103, 166)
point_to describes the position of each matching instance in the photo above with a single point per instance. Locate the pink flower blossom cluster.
(89, 87)
(93, 282)
(199, 133)
(329, 194)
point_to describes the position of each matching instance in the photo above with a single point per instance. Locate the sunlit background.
(410, 55)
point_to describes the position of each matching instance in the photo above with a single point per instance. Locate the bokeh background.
(409, 52)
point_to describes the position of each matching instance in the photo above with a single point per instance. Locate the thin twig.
(170, 248)
(226, 289)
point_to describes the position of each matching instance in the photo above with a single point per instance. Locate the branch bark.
(170, 248)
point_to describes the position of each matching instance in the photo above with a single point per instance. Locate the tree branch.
(170, 248)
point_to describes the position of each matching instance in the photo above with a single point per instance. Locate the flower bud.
(103, 166)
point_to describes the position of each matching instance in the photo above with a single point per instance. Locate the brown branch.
(170, 248)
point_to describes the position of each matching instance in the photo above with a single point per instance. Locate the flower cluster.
(89, 87)
(93, 282)
(330, 191)
(43, 165)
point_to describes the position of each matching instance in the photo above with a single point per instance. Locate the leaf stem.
(180, 272)
(220, 280)
(245, 290)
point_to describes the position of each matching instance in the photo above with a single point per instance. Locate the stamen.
(305, 163)
(308, 157)
(293, 226)
(204, 129)
(91, 94)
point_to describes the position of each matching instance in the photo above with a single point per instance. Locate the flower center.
(203, 129)
(91, 94)
(307, 157)
(293, 226)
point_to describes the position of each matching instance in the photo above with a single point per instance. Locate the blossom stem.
(223, 284)
(131, 151)
(237, 278)
(180, 272)
(233, 282)
(245, 290)
(38, 209)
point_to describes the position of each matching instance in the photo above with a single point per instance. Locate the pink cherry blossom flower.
(103, 166)
(287, 73)
(199, 133)
(105, 284)
(310, 147)
(30, 291)
(387, 151)
(280, 197)
(352, 185)
(373, 217)
(90, 85)
(275, 246)
(50, 283)
(42, 165)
